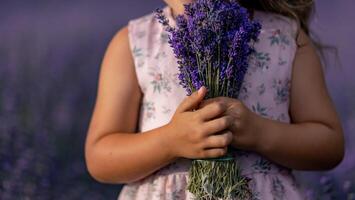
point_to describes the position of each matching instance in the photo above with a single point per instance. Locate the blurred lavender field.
(50, 54)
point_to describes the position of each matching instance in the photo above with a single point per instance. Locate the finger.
(237, 108)
(192, 101)
(212, 111)
(209, 101)
(214, 152)
(217, 125)
(219, 141)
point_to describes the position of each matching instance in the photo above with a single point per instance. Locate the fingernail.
(199, 90)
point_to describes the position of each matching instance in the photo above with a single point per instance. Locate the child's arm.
(315, 139)
(114, 154)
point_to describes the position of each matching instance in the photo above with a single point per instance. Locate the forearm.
(127, 157)
(303, 146)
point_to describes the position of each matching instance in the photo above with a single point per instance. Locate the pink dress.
(265, 91)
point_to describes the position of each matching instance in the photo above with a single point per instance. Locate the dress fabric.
(265, 91)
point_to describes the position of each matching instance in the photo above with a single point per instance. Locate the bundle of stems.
(212, 41)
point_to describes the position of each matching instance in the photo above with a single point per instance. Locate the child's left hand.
(243, 124)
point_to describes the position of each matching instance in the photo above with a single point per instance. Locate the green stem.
(189, 80)
(209, 76)
(224, 81)
(218, 70)
(217, 83)
(201, 75)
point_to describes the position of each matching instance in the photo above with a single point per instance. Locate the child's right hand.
(196, 134)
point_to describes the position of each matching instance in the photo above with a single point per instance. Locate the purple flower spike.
(212, 42)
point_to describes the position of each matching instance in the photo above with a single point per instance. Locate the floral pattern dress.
(265, 91)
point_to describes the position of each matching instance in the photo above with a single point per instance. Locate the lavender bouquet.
(212, 43)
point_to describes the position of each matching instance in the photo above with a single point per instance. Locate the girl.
(284, 118)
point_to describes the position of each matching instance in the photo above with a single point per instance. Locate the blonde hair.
(300, 10)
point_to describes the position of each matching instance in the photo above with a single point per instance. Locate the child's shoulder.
(142, 29)
(143, 22)
(273, 21)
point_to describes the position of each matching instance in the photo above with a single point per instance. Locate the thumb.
(191, 102)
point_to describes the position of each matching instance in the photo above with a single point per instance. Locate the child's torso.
(265, 91)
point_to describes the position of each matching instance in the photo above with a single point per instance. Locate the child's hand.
(243, 121)
(192, 134)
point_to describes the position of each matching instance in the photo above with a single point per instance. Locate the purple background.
(50, 53)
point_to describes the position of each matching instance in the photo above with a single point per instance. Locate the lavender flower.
(212, 45)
